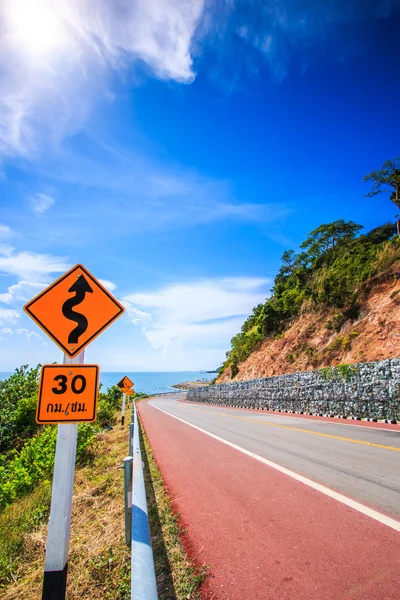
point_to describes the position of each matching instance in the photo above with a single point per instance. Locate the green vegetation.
(340, 372)
(386, 177)
(16, 521)
(343, 342)
(28, 448)
(328, 272)
(139, 396)
(99, 560)
(27, 458)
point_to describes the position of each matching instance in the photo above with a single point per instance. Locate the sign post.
(123, 409)
(68, 395)
(128, 394)
(58, 534)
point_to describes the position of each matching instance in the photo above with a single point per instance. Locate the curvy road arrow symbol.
(81, 288)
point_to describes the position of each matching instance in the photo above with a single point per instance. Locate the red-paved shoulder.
(297, 416)
(265, 535)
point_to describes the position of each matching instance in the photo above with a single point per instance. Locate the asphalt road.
(357, 461)
(281, 507)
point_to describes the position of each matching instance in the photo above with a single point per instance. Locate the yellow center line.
(326, 435)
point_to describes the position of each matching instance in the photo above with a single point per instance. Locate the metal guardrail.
(137, 531)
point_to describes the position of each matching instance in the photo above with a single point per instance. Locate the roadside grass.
(177, 579)
(99, 560)
(17, 521)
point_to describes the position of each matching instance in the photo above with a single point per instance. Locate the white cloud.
(41, 202)
(23, 290)
(205, 313)
(57, 57)
(7, 330)
(136, 315)
(30, 266)
(8, 315)
(5, 232)
(108, 284)
(28, 334)
(152, 196)
(244, 283)
(6, 249)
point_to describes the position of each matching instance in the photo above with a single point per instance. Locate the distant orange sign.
(74, 310)
(67, 393)
(125, 384)
(130, 392)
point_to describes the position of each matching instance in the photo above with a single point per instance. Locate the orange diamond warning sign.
(125, 384)
(67, 393)
(74, 310)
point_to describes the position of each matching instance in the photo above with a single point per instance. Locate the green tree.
(386, 179)
(288, 259)
(328, 237)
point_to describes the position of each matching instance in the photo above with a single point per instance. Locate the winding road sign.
(67, 394)
(74, 310)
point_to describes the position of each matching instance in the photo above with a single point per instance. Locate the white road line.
(365, 510)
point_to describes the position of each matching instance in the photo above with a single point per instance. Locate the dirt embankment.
(318, 339)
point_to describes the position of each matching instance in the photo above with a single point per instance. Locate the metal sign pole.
(58, 535)
(123, 408)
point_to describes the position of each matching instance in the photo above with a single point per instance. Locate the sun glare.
(35, 27)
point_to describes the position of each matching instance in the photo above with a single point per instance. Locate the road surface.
(279, 506)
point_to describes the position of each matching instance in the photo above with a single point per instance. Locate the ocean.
(156, 383)
(149, 383)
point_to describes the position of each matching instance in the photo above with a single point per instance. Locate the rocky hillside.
(365, 328)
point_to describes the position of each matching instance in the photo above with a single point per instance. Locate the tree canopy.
(386, 179)
(326, 237)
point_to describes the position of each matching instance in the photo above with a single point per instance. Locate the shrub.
(35, 461)
(387, 255)
(18, 397)
(105, 412)
(28, 449)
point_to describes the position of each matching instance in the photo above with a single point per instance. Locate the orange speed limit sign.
(67, 393)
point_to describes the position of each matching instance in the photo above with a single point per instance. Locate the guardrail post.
(128, 477)
(131, 426)
(143, 583)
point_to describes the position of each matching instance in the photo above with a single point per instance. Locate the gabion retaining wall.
(366, 390)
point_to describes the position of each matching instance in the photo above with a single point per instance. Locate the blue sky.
(176, 148)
